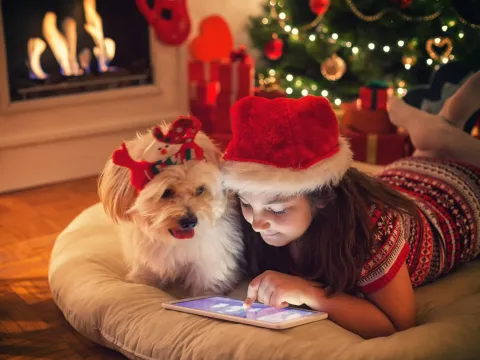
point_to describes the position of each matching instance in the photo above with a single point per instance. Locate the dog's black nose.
(188, 222)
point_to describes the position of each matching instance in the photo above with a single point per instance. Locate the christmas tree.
(333, 48)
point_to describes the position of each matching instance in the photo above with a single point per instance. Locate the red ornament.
(274, 49)
(403, 3)
(319, 7)
(169, 19)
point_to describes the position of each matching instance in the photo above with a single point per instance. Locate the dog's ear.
(211, 151)
(116, 192)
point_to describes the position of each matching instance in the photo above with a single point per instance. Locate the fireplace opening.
(64, 47)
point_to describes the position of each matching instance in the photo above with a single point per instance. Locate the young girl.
(322, 234)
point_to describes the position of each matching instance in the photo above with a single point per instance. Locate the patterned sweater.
(447, 194)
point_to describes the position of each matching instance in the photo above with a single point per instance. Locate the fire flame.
(64, 45)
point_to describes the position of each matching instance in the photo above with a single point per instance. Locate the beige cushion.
(86, 278)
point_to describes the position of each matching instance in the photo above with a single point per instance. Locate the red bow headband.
(180, 137)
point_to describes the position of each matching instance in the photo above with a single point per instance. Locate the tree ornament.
(319, 7)
(403, 3)
(439, 43)
(333, 68)
(274, 48)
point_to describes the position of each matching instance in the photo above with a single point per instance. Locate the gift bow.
(239, 55)
(377, 84)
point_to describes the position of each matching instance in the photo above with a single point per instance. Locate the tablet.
(230, 309)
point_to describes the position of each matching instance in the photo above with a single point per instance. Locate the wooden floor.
(31, 326)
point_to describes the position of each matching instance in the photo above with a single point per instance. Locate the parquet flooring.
(31, 326)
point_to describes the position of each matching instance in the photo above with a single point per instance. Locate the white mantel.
(56, 139)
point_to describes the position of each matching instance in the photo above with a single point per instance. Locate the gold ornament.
(439, 42)
(410, 60)
(333, 68)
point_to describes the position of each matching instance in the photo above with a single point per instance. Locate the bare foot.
(427, 131)
(466, 101)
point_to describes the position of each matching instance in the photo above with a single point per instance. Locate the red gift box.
(366, 121)
(221, 139)
(224, 103)
(374, 96)
(199, 71)
(380, 149)
(206, 114)
(236, 76)
(204, 92)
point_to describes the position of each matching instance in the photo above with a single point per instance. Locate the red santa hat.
(285, 146)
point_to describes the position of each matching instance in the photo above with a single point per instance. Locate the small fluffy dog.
(176, 222)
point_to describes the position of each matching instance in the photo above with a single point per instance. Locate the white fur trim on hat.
(259, 178)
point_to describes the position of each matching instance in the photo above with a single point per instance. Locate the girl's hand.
(279, 290)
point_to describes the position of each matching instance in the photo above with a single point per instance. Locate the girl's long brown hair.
(339, 239)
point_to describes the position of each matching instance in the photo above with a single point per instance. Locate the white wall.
(235, 12)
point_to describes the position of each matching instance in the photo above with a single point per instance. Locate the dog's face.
(175, 203)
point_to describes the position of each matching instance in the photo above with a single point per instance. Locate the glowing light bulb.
(437, 41)
(312, 37)
(355, 50)
(444, 28)
(371, 46)
(295, 31)
(289, 90)
(264, 21)
(314, 87)
(282, 15)
(334, 36)
(400, 91)
(289, 77)
(429, 61)
(408, 66)
(298, 82)
(386, 48)
(461, 35)
(304, 92)
(287, 28)
(324, 93)
(401, 43)
(348, 44)
(337, 102)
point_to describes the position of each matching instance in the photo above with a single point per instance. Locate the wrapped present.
(204, 92)
(380, 149)
(374, 96)
(366, 121)
(206, 114)
(221, 139)
(222, 119)
(199, 71)
(236, 75)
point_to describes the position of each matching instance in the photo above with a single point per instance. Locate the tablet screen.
(233, 307)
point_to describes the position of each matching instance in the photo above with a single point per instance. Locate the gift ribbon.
(237, 57)
(372, 149)
(207, 71)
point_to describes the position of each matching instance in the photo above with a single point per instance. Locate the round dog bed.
(87, 282)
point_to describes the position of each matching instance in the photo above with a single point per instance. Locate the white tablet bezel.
(171, 305)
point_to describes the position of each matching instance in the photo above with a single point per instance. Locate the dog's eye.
(167, 194)
(199, 191)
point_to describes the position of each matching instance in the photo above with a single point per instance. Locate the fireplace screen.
(63, 47)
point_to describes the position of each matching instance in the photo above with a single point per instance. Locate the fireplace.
(65, 47)
(65, 107)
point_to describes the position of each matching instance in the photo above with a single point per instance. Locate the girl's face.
(279, 220)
